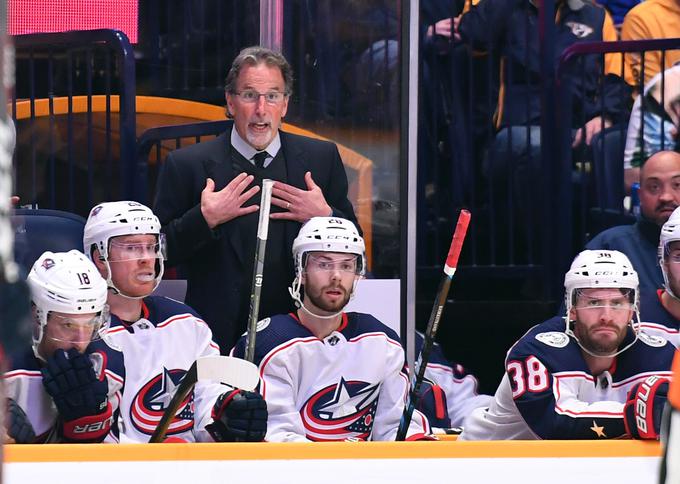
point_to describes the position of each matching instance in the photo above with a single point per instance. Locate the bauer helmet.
(67, 282)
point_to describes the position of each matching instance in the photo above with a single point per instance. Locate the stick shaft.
(433, 323)
(258, 267)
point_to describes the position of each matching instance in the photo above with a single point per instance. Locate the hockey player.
(69, 383)
(592, 378)
(448, 393)
(328, 375)
(660, 310)
(159, 337)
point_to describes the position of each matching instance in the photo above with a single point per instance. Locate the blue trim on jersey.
(285, 327)
(160, 309)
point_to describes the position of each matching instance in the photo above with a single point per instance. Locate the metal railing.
(54, 107)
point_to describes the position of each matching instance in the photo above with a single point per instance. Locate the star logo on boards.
(599, 431)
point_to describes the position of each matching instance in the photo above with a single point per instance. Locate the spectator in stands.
(653, 124)
(510, 29)
(651, 19)
(618, 9)
(559, 380)
(207, 205)
(659, 196)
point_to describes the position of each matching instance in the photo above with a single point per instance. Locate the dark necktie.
(259, 158)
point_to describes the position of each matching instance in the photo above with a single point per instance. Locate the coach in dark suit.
(207, 203)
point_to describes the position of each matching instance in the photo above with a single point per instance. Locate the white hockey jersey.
(23, 383)
(350, 385)
(159, 348)
(548, 392)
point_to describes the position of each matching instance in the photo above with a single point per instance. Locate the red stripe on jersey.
(15, 373)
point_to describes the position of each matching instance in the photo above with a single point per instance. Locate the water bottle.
(635, 199)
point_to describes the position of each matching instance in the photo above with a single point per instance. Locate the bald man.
(659, 196)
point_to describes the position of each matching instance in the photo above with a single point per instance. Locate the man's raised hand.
(221, 206)
(299, 204)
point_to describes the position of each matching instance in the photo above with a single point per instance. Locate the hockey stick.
(433, 323)
(258, 268)
(235, 372)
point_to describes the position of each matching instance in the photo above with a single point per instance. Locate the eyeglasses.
(249, 96)
(348, 265)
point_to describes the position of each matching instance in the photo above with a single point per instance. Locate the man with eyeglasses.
(593, 374)
(69, 382)
(160, 338)
(207, 197)
(661, 309)
(328, 375)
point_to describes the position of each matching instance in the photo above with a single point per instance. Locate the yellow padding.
(339, 450)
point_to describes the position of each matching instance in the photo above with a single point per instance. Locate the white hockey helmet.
(67, 282)
(326, 234)
(670, 232)
(592, 269)
(113, 219)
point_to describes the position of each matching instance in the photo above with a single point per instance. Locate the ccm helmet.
(325, 234)
(114, 219)
(593, 269)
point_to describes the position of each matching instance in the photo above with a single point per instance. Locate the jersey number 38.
(528, 375)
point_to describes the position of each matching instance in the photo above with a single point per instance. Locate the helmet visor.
(123, 251)
(615, 299)
(77, 328)
(322, 263)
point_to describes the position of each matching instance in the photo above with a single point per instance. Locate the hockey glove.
(19, 428)
(80, 397)
(431, 401)
(644, 407)
(239, 416)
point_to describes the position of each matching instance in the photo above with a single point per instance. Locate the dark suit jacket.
(218, 277)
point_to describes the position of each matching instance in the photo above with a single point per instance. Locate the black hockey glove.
(18, 426)
(644, 407)
(239, 416)
(80, 397)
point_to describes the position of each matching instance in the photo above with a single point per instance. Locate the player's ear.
(572, 314)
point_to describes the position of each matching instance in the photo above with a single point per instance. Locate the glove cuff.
(91, 428)
(223, 402)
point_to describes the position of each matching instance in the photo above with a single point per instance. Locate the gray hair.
(256, 55)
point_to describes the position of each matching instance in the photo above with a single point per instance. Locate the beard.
(599, 344)
(329, 306)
